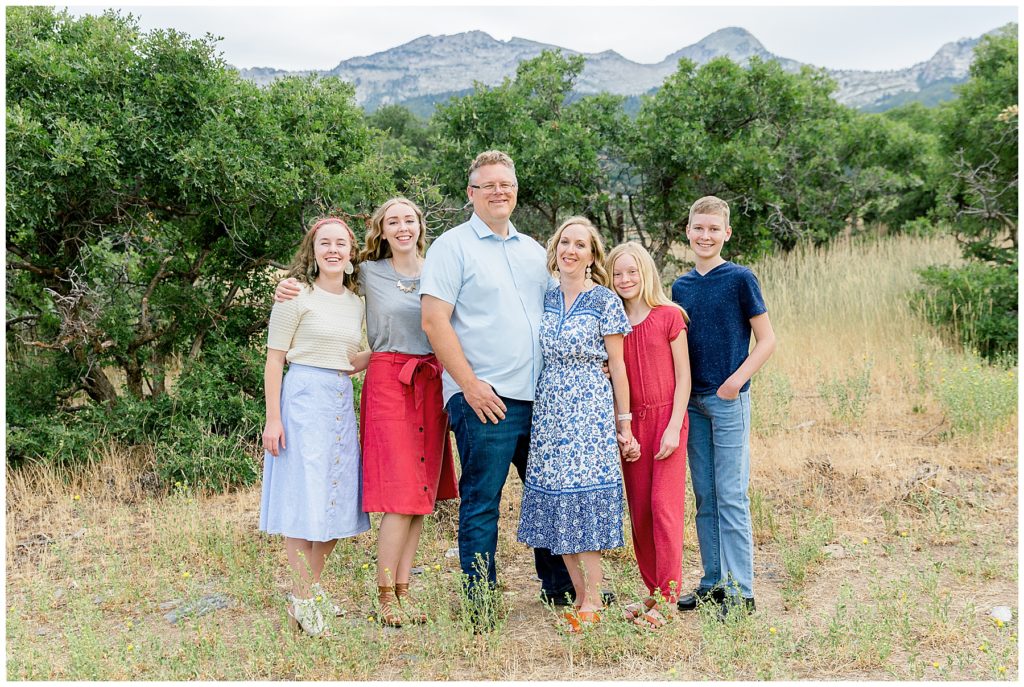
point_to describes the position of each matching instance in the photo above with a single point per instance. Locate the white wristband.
(623, 416)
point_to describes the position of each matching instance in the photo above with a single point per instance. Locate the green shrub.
(204, 431)
(847, 396)
(978, 301)
(976, 396)
(190, 452)
(34, 385)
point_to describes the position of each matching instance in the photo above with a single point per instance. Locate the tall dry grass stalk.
(850, 299)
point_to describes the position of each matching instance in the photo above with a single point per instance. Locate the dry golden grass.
(926, 518)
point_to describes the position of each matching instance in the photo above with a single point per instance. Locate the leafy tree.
(981, 143)
(980, 140)
(557, 144)
(150, 193)
(793, 164)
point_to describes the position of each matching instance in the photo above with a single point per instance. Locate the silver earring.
(349, 269)
(587, 281)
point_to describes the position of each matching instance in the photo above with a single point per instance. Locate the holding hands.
(629, 447)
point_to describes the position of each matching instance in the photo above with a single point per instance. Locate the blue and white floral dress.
(572, 494)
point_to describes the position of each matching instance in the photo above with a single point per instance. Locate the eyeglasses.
(504, 187)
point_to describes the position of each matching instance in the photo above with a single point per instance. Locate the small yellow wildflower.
(1001, 669)
(130, 624)
(671, 671)
(864, 540)
(983, 648)
(935, 664)
(369, 618)
(185, 575)
(76, 497)
(437, 567)
(772, 630)
(903, 533)
(999, 623)
(319, 598)
(366, 566)
(130, 647)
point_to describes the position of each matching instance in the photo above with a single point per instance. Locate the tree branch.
(23, 318)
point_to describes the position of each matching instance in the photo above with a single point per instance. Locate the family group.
(572, 366)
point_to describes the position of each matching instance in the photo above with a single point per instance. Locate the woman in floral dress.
(572, 494)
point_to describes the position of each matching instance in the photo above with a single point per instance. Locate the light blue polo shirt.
(497, 287)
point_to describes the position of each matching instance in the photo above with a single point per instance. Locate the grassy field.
(884, 494)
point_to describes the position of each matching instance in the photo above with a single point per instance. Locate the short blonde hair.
(651, 290)
(597, 271)
(377, 247)
(491, 157)
(709, 205)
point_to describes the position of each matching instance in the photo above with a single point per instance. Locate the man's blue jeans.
(719, 456)
(485, 452)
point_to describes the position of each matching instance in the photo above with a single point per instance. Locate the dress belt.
(641, 410)
(428, 366)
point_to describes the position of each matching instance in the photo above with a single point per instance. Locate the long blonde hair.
(377, 247)
(651, 290)
(303, 266)
(597, 271)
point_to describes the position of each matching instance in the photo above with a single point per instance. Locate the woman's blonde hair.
(597, 271)
(377, 247)
(651, 290)
(303, 266)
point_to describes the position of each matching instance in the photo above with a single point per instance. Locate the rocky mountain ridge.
(431, 68)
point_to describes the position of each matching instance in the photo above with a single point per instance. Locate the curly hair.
(597, 270)
(377, 247)
(303, 266)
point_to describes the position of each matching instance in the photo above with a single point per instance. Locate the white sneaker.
(326, 603)
(305, 614)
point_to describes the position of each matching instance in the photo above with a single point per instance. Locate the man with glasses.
(482, 297)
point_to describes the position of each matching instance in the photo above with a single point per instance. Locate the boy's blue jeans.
(485, 452)
(719, 456)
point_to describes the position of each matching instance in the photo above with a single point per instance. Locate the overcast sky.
(319, 37)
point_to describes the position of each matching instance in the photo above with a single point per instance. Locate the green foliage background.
(151, 193)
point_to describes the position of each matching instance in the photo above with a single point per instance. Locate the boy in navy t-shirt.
(725, 304)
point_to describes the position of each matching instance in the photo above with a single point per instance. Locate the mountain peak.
(733, 42)
(732, 39)
(431, 68)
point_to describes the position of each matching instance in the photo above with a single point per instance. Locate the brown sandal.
(645, 614)
(408, 604)
(385, 614)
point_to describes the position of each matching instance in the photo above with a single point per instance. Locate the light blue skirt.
(312, 490)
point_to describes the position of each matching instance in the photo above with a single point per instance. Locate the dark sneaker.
(736, 604)
(690, 601)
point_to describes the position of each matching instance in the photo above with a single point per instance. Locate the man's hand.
(287, 290)
(485, 403)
